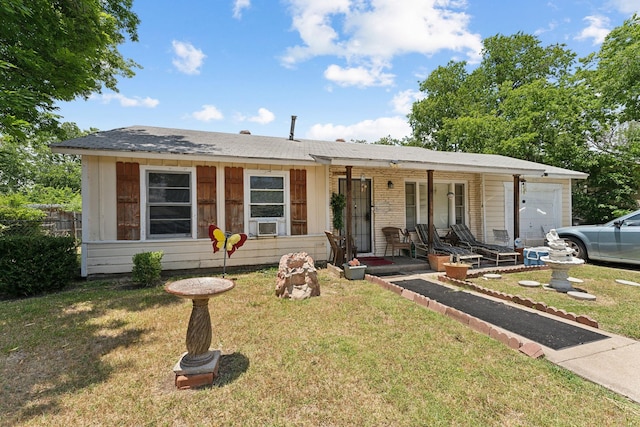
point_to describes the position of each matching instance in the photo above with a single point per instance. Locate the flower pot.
(355, 272)
(456, 271)
(436, 262)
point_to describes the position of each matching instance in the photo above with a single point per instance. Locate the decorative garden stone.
(297, 277)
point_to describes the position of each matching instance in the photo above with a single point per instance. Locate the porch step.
(399, 264)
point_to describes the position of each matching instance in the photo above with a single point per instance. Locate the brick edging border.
(527, 302)
(528, 348)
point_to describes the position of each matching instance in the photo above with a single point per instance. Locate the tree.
(511, 104)
(29, 168)
(617, 76)
(535, 103)
(58, 50)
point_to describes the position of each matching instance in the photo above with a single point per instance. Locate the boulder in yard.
(297, 277)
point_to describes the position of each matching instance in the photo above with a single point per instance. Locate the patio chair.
(392, 236)
(501, 236)
(440, 247)
(338, 248)
(337, 253)
(495, 253)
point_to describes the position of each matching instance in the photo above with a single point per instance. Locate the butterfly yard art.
(228, 242)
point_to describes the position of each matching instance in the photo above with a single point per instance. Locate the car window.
(633, 221)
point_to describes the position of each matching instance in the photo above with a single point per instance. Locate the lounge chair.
(440, 247)
(392, 236)
(495, 253)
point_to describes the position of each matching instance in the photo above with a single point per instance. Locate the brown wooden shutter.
(234, 199)
(128, 200)
(298, 187)
(206, 178)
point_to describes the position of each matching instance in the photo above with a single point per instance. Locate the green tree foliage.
(28, 167)
(538, 103)
(617, 73)
(57, 50)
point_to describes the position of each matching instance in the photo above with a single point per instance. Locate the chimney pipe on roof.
(293, 126)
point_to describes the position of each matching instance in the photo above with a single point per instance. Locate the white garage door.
(540, 210)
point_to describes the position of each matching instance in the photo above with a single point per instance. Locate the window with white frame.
(168, 204)
(268, 200)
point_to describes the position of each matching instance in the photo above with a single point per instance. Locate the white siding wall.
(116, 257)
(102, 253)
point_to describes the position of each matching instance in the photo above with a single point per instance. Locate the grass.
(616, 307)
(102, 354)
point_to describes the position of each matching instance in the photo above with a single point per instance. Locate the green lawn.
(616, 308)
(102, 354)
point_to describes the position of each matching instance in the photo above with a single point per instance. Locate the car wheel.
(578, 247)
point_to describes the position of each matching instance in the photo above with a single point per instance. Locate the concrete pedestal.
(196, 376)
(199, 365)
(560, 272)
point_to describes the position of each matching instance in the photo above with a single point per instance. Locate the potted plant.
(354, 270)
(456, 270)
(338, 203)
(436, 261)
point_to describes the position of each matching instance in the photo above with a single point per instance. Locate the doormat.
(373, 261)
(543, 330)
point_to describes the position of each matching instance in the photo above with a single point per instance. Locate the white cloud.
(264, 116)
(370, 130)
(550, 27)
(625, 6)
(357, 76)
(238, 6)
(125, 101)
(596, 30)
(208, 113)
(403, 101)
(188, 58)
(368, 33)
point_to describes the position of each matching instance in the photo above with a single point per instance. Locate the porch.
(405, 265)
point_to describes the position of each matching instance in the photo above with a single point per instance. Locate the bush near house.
(35, 264)
(147, 267)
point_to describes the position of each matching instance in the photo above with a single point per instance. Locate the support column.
(348, 223)
(430, 208)
(516, 206)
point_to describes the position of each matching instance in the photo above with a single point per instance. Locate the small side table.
(199, 365)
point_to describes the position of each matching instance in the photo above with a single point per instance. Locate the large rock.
(297, 277)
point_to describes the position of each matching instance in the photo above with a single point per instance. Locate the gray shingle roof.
(141, 141)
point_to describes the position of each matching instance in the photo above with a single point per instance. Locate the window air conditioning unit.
(267, 228)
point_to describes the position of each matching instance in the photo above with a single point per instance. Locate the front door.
(361, 212)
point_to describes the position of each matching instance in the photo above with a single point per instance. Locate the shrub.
(35, 264)
(147, 267)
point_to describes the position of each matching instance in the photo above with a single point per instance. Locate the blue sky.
(346, 68)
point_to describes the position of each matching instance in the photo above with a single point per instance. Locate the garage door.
(540, 210)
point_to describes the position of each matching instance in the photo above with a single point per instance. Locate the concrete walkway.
(613, 363)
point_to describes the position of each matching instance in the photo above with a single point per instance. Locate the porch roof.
(156, 142)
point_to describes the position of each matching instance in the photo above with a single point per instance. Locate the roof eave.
(178, 156)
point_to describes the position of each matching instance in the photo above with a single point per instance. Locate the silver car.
(615, 241)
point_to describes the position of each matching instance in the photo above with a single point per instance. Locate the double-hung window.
(268, 202)
(169, 204)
